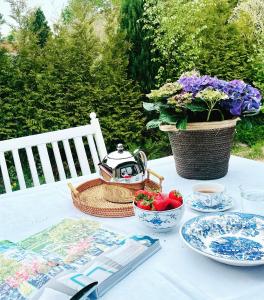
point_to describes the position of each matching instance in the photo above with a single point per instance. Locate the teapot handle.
(142, 158)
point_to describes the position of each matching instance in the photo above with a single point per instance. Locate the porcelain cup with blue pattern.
(209, 194)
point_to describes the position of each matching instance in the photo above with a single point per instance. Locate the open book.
(74, 259)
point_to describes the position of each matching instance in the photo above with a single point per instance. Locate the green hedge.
(58, 85)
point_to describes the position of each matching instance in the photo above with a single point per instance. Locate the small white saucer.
(196, 204)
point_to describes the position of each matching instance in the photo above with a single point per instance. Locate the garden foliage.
(54, 81)
(141, 67)
(221, 38)
(103, 55)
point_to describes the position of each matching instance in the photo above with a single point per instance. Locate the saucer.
(197, 205)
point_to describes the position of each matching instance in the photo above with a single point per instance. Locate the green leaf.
(167, 118)
(182, 123)
(252, 113)
(195, 107)
(153, 124)
(246, 124)
(163, 106)
(151, 106)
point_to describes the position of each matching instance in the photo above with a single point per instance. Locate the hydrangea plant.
(165, 91)
(195, 98)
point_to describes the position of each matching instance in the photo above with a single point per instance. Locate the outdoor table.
(175, 272)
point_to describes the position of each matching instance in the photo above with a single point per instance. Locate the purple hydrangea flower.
(194, 84)
(243, 97)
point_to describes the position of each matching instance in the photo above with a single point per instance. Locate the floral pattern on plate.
(231, 238)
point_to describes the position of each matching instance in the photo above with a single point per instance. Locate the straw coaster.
(107, 199)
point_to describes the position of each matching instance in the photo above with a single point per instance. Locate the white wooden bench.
(96, 144)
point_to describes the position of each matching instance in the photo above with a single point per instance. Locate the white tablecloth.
(175, 272)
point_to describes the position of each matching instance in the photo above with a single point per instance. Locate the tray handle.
(73, 190)
(153, 173)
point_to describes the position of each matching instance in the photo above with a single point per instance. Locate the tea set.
(209, 197)
(122, 166)
(232, 238)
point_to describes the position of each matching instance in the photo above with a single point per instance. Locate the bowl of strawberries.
(158, 211)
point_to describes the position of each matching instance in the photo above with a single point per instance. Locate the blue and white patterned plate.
(231, 238)
(196, 204)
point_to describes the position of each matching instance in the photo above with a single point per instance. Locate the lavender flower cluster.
(243, 98)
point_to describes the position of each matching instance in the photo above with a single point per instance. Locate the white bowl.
(160, 221)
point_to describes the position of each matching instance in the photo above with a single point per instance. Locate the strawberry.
(142, 195)
(143, 205)
(141, 192)
(174, 203)
(175, 195)
(160, 202)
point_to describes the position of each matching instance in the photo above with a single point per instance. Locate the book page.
(23, 273)
(64, 259)
(66, 284)
(73, 241)
(117, 258)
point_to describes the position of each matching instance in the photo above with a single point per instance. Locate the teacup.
(209, 194)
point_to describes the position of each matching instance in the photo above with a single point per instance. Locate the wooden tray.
(101, 198)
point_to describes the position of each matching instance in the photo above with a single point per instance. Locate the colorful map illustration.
(22, 272)
(73, 241)
(66, 257)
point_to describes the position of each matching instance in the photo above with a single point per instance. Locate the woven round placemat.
(107, 199)
(92, 201)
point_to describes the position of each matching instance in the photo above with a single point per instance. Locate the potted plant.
(200, 113)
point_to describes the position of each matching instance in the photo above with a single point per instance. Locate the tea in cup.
(209, 194)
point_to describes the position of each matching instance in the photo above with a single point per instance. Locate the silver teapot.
(122, 166)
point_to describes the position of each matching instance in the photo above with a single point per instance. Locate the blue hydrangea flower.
(243, 98)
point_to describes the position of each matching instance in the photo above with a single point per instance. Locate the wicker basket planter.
(202, 151)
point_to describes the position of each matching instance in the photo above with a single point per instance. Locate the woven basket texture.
(202, 154)
(107, 199)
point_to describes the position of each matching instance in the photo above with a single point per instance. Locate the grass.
(255, 152)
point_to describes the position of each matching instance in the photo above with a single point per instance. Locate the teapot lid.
(117, 157)
(120, 154)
